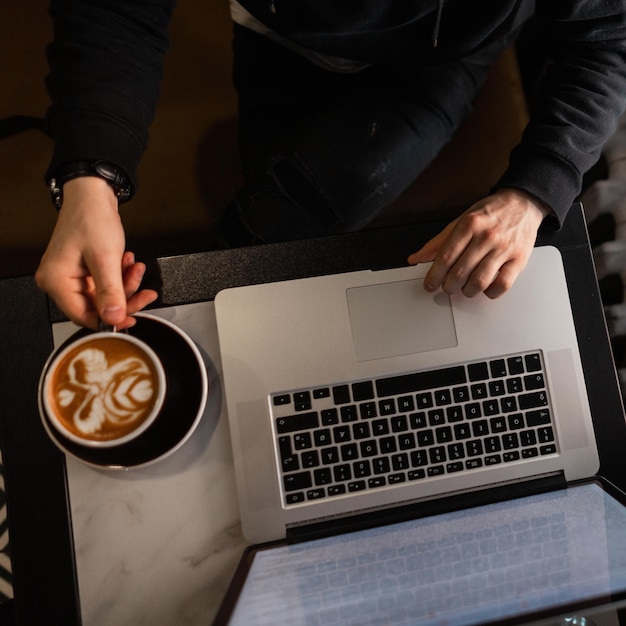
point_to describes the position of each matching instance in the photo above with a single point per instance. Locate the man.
(341, 106)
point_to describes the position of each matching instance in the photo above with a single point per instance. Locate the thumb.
(427, 252)
(110, 295)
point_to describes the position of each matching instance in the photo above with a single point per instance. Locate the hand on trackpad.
(399, 318)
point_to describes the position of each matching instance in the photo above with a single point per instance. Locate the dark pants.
(325, 152)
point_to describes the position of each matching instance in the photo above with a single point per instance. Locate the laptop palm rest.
(399, 318)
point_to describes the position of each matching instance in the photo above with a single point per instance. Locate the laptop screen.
(494, 562)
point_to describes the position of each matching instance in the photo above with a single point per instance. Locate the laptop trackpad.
(399, 318)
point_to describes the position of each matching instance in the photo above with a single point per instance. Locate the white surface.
(158, 545)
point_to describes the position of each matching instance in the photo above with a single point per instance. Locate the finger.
(132, 277)
(110, 295)
(429, 250)
(449, 258)
(140, 300)
(78, 304)
(128, 260)
(504, 281)
(479, 278)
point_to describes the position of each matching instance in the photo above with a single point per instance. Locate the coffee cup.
(103, 389)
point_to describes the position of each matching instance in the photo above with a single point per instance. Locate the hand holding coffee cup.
(103, 389)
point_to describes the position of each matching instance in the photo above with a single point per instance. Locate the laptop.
(360, 406)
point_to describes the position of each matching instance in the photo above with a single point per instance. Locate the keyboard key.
(361, 430)
(336, 490)
(531, 400)
(282, 399)
(534, 381)
(515, 365)
(533, 362)
(315, 494)
(516, 421)
(437, 455)
(293, 423)
(416, 474)
(358, 485)
(369, 448)
(406, 404)
(545, 434)
(322, 476)
(330, 417)
(381, 465)
(310, 459)
(341, 394)
(368, 410)
(478, 371)
(479, 391)
(460, 394)
(341, 434)
(473, 410)
(302, 441)
(378, 481)
(420, 381)
(330, 455)
(323, 392)
(443, 397)
(474, 447)
(454, 414)
(454, 467)
(538, 418)
(395, 479)
(302, 401)
(349, 413)
(419, 458)
(322, 437)
(399, 423)
(342, 473)
(436, 470)
(387, 407)
(400, 461)
(424, 400)
(295, 498)
(497, 368)
(462, 431)
(298, 481)
(407, 441)
(363, 391)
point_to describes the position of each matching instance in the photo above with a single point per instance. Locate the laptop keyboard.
(340, 439)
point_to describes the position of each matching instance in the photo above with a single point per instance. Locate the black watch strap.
(113, 175)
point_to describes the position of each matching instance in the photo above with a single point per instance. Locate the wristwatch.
(113, 175)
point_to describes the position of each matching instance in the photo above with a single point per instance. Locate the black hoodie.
(106, 65)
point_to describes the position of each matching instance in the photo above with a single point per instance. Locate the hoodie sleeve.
(580, 99)
(106, 64)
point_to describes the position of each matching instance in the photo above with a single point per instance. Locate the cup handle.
(106, 328)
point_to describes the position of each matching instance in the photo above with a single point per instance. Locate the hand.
(84, 268)
(486, 248)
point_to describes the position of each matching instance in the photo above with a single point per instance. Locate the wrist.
(544, 209)
(88, 190)
(114, 177)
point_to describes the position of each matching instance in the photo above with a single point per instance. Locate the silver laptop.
(352, 394)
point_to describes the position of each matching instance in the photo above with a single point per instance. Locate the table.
(159, 544)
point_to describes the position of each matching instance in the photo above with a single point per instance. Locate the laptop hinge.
(424, 508)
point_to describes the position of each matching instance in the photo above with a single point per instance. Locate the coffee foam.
(103, 389)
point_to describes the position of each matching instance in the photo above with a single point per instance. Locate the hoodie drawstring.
(437, 23)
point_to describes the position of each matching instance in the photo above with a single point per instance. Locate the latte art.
(104, 389)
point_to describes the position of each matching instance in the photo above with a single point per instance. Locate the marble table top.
(159, 544)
